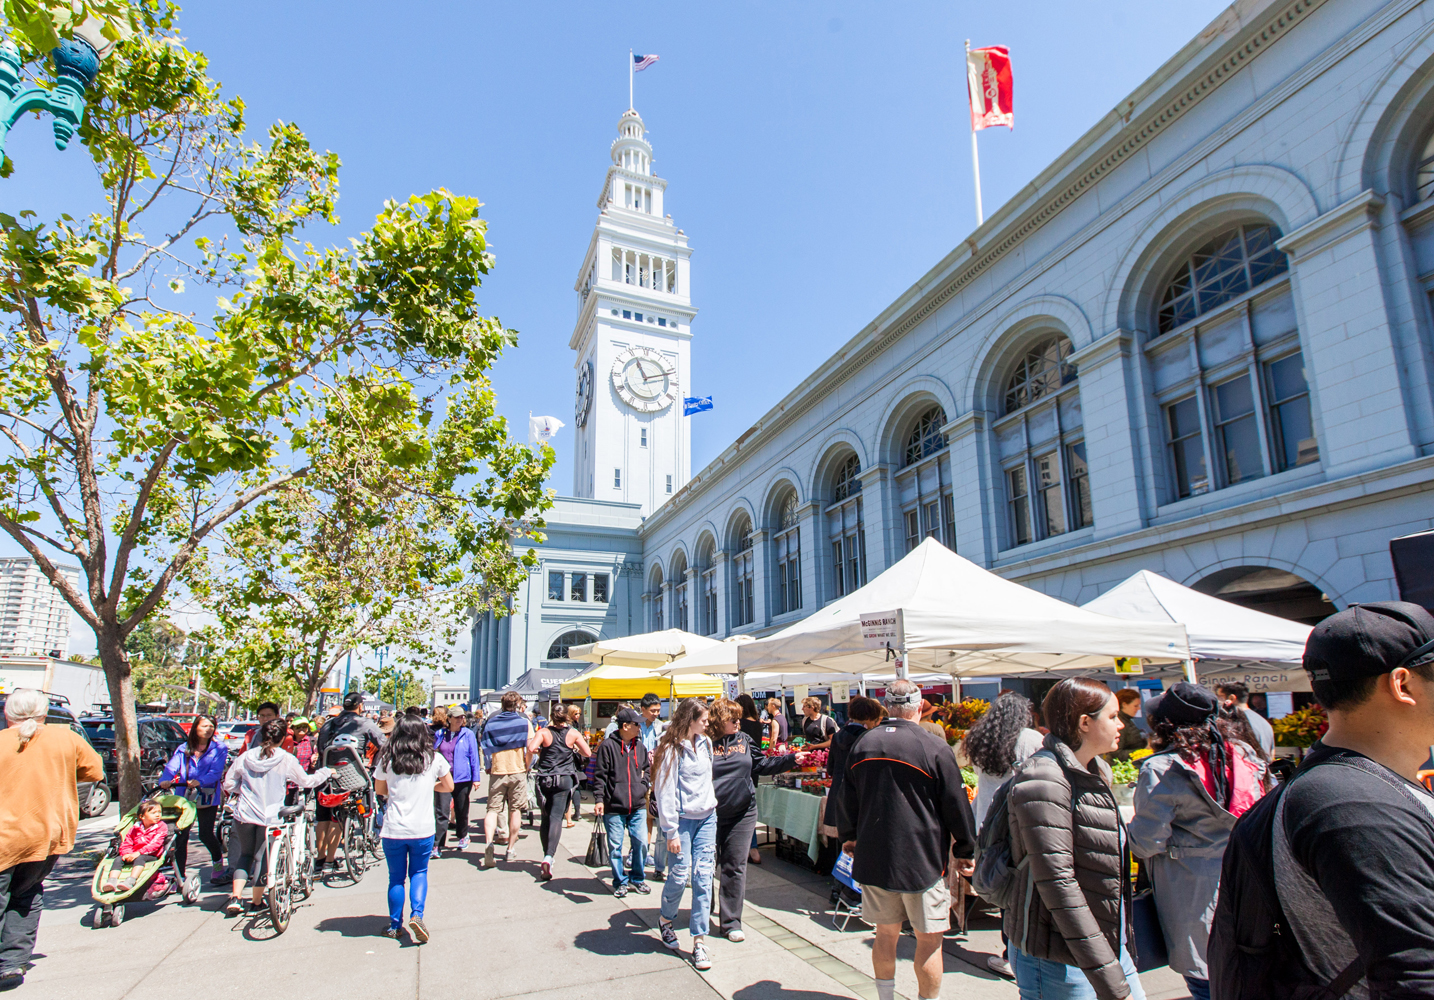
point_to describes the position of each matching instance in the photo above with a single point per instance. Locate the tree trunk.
(121, 687)
(316, 675)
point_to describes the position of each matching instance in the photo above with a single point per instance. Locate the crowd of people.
(1322, 882)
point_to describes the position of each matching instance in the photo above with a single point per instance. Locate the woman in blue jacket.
(198, 768)
(459, 747)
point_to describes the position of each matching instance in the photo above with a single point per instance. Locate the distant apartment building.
(34, 618)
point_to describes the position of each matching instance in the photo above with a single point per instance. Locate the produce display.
(1301, 728)
(1123, 772)
(959, 716)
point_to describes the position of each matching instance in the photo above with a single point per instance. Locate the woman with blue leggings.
(409, 772)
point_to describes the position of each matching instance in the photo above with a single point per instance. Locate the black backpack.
(1253, 954)
(995, 879)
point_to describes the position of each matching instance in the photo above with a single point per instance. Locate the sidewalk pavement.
(495, 934)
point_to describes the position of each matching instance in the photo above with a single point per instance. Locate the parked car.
(94, 795)
(232, 734)
(185, 719)
(159, 735)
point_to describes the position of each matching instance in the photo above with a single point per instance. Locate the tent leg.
(901, 670)
(1189, 666)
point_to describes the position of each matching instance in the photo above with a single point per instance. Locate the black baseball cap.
(1185, 704)
(1366, 640)
(628, 715)
(353, 700)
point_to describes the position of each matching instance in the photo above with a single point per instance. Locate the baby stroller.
(179, 813)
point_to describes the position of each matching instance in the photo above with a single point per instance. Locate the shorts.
(928, 911)
(323, 814)
(508, 791)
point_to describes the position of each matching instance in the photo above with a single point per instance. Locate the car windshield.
(100, 729)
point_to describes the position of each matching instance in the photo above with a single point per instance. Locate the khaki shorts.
(508, 791)
(929, 911)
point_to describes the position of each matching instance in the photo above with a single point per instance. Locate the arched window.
(848, 479)
(679, 591)
(846, 530)
(787, 545)
(1041, 445)
(559, 649)
(657, 622)
(1228, 266)
(744, 604)
(926, 437)
(1041, 372)
(925, 483)
(707, 575)
(1424, 172)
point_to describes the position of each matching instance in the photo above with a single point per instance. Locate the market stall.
(609, 683)
(644, 650)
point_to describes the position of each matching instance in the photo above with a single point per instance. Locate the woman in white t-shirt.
(409, 772)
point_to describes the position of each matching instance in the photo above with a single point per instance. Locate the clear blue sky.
(817, 153)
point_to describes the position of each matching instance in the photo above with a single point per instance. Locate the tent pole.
(1189, 667)
(902, 670)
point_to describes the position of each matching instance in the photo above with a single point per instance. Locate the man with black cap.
(1354, 829)
(620, 790)
(362, 731)
(903, 803)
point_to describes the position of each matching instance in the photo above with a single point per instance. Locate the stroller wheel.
(117, 915)
(101, 917)
(189, 888)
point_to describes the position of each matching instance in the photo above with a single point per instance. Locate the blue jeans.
(635, 823)
(1038, 979)
(1199, 988)
(407, 859)
(698, 858)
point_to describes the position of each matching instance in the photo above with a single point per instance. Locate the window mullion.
(1261, 397)
(1207, 428)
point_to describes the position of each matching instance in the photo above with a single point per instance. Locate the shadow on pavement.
(625, 934)
(769, 989)
(569, 888)
(364, 925)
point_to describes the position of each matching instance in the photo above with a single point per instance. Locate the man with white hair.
(903, 803)
(40, 767)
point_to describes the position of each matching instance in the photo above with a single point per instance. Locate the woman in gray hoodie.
(687, 819)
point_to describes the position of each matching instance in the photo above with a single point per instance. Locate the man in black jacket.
(620, 790)
(903, 803)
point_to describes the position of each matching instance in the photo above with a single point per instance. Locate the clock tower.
(631, 339)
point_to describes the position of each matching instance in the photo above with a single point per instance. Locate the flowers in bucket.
(957, 717)
(1301, 728)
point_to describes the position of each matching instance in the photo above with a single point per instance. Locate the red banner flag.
(988, 82)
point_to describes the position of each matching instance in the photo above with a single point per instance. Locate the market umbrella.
(647, 649)
(953, 617)
(613, 683)
(719, 658)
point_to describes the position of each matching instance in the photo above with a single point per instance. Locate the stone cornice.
(1115, 344)
(967, 423)
(1360, 212)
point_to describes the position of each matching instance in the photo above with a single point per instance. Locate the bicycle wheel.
(375, 841)
(306, 868)
(353, 846)
(281, 889)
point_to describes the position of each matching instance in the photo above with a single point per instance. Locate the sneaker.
(462, 844)
(641, 888)
(736, 936)
(391, 932)
(1000, 966)
(511, 854)
(417, 930)
(109, 886)
(234, 907)
(619, 891)
(488, 855)
(11, 979)
(669, 936)
(221, 875)
(545, 872)
(700, 961)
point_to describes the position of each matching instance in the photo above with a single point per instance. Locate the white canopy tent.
(958, 619)
(646, 649)
(1229, 642)
(719, 658)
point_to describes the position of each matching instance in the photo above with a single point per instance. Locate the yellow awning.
(609, 683)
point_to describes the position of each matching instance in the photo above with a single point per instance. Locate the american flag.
(640, 63)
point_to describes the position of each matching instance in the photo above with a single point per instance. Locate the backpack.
(995, 879)
(1253, 954)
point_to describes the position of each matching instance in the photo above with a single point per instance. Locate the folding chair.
(846, 899)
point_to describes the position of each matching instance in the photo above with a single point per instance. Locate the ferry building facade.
(1201, 342)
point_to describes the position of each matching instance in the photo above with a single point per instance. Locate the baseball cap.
(1185, 704)
(628, 715)
(457, 710)
(1366, 640)
(353, 700)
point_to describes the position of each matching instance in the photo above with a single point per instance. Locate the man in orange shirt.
(40, 767)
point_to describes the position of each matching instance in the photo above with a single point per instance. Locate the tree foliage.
(133, 430)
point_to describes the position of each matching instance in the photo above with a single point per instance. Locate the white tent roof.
(1218, 630)
(647, 649)
(960, 619)
(719, 658)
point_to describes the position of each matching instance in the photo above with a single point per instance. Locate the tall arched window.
(744, 605)
(1226, 366)
(1226, 267)
(559, 649)
(787, 546)
(679, 591)
(924, 482)
(657, 599)
(1424, 172)
(846, 530)
(707, 575)
(1041, 445)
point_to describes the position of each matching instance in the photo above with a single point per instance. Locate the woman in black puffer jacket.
(1070, 925)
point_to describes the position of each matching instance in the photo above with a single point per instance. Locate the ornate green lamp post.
(76, 61)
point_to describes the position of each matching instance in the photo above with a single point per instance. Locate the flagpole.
(975, 156)
(629, 79)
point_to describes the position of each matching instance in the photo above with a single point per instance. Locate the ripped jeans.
(698, 858)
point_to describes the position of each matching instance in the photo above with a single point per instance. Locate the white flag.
(542, 429)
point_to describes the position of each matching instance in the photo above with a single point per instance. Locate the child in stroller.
(143, 843)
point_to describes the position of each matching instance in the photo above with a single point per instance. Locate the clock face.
(584, 402)
(645, 379)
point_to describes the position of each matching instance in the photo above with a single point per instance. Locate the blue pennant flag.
(695, 404)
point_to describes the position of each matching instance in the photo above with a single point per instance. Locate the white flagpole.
(629, 79)
(975, 157)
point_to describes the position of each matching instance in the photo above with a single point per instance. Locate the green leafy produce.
(968, 775)
(1123, 772)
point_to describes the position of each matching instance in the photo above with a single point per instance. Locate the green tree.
(132, 431)
(399, 688)
(156, 650)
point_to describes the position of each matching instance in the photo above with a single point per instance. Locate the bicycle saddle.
(289, 812)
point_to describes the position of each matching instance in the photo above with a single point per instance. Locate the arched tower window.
(679, 592)
(1226, 267)
(787, 547)
(924, 482)
(744, 604)
(1226, 366)
(1042, 446)
(846, 529)
(707, 577)
(559, 649)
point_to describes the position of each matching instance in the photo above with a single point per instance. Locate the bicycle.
(291, 852)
